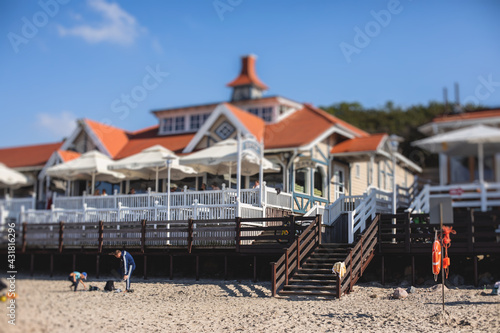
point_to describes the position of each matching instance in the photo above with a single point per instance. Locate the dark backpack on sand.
(110, 285)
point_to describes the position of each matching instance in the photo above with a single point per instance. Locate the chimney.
(247, 85)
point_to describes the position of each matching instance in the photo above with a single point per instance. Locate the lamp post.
(169, 159)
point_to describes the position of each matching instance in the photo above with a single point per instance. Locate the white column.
(394, 189)
(238, 168)
(480, 161)
(443, 169)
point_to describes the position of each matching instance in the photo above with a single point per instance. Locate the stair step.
(307, 293)
(299, 281)
(309, 287)
(316, 270)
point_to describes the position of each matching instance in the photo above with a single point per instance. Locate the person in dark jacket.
(127, 265)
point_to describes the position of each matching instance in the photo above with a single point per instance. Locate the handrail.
(291, 260)
(359, 257)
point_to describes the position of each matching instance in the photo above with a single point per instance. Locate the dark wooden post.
(362, 256)
(25, 229)
(190, 235)
(61, 236)
(291, 230)
(145, 264)
(225, 267)
(101, 236)
(171, 267)
(412, 270)
(286, 268)
(407, 232)
(318, 221)
(32, 264)
(238, 233)
(273, 279)
(298, 253)
(51, 265)
(339, 286)
(143, 235)
(470, 232)
(476, 282)
(254, 268)
(382, 264)
(97, 264)
(350, 270)
(197, 268)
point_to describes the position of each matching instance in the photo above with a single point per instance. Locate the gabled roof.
(68, 155)
(358, 145)
(112, 138)
(149, 137)
(253, 123)
(247, 75)
(241, 119)
(303, 127)
(28, 156)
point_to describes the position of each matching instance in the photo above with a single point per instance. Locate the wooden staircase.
(305, 269)
(315, 276)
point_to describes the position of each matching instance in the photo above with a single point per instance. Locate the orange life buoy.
(436, 258)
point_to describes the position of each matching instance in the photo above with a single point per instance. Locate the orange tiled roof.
(302, 127)
(68, 155)
(149, 137)
(28, 156)
(467, 116)
(253, 123)
(368, 143)
(247, 74)
(114, 139)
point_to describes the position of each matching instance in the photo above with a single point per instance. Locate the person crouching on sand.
(76, 278)
(127, 265)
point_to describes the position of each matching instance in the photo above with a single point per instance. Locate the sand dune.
(48, 305)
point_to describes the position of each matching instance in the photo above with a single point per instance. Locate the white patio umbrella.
(151, 162)
(478, 139)
(222, 158)
(10, 178)
(92, 165)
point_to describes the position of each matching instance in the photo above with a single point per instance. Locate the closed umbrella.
(151, 162)
(92, 165)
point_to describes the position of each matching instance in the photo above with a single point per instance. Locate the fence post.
(273, 279)
(143, 236)
(184, 196)
(190, 235)
(318, 221)
(350, 227)
(361, 257)
(25, 229)
(223, 193)
(101, 236)
(470, 232)
(61, 235)
(238, 233)
(339, 286)
(407, 232)
(350, 270)
(119, 211)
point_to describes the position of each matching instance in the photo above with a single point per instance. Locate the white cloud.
(117, 26)
(57, 126)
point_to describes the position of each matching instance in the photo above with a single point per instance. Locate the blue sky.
(61, 60)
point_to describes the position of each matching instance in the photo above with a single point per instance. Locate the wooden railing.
(296, 253)
(358, 258)
(151, 235)
(412, 233)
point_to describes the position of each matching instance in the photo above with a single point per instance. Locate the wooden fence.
(239, 233)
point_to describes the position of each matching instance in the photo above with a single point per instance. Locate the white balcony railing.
(474, 195)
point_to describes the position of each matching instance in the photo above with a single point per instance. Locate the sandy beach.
(48, 305)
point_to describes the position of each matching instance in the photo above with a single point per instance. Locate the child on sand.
(76, 278)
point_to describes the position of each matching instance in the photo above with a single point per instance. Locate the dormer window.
(167, 125)
(197, 120)
(179, 124)
(266, 113)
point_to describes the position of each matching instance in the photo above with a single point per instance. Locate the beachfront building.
(468, 145)
(317, 158)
